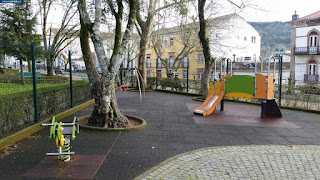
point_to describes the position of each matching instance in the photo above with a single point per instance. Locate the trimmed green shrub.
(17, 109)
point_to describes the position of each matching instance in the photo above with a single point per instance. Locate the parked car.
(57, 71)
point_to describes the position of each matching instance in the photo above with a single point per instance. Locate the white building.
(232, 35)
(305, 50)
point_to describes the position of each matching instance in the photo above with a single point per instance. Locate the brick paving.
(245, 162)
(171, 130)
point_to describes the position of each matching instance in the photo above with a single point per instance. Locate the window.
(165, 43)
(247, 58)
(239, 59)
(148, 61)
(199, 74)
(253, 39)
(185, 74)
(245, 38)
(148, 73)
(159, 73)
(159, 63)
(312, 67)
(313, 42)
(313, 39)
(185, 62)
(171, 41)
(200, 58)
(171, 61)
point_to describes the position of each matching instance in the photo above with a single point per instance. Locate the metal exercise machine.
(63, 133)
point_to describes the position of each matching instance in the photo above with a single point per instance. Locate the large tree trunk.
(50, 65)
(2, 60)
(106, 112)
(205, 80)
(204, 40)
(21, 70)
(29, 66)
(142, 57)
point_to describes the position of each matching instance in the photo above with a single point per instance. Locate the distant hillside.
(275, 35)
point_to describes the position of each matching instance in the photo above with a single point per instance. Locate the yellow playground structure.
(245, 87)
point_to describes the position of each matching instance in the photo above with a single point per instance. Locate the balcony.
(307, 50)
(311, 78)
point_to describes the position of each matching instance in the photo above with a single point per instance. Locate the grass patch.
(12, 88)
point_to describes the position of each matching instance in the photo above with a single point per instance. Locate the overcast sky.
(280, 10)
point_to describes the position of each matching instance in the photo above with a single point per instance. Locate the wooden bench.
(29, 75)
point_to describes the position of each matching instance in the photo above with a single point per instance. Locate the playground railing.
(301, 97)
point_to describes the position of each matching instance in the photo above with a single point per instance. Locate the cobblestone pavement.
(242, 162)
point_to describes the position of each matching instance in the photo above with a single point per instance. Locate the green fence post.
(132, 69)
(71, 91)
(121, 66)
(280, 82)
(35, 99)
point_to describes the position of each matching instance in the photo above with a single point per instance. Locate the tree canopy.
(17, 30)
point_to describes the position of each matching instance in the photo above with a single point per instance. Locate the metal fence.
(40, 97)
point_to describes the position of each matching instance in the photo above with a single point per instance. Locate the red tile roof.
(311, 16)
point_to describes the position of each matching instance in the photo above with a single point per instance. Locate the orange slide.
(209, 104)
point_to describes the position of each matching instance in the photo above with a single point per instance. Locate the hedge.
(17, 110)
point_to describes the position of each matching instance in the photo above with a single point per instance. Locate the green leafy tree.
(17, 32)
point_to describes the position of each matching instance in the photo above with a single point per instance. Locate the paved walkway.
(244, 162)
(171, 130)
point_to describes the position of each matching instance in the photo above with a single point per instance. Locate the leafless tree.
(145, 19)
(184, 38)
(106, 111)
(66, 32)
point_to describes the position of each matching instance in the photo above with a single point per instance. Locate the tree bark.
(106, 112)
(21, 70)
(29, 66)
(204, 40)
(50, 66)
(142, 59)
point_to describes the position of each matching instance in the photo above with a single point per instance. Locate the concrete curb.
(141, 126)
(36, 127)
(198, 98)
(177, 92)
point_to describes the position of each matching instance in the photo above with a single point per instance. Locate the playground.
(172, 130)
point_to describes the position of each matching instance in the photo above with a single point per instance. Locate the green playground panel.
(240, 83)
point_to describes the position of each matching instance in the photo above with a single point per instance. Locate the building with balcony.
(305, 48)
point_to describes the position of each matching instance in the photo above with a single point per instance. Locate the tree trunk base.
(106, 121)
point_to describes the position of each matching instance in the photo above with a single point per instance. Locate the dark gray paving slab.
(171, 130)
